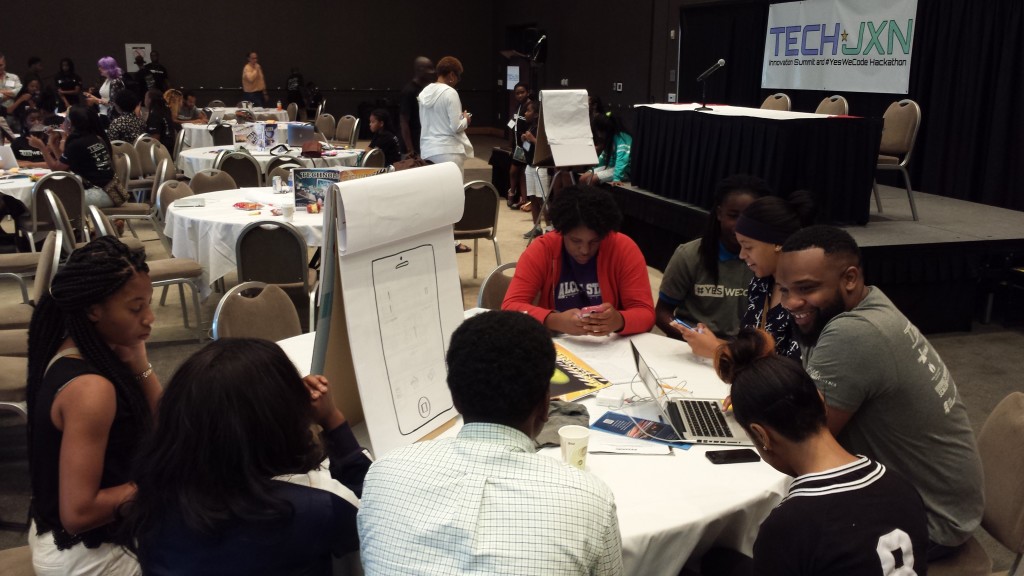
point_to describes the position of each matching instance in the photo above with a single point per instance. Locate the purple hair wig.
(110, 67)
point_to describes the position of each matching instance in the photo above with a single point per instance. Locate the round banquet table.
(20, 187)
(196, 160)
(199, 135)
(670, 507)
(208, 234)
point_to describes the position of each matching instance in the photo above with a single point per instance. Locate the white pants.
(537, 182)
(108, 559)
(458, 159)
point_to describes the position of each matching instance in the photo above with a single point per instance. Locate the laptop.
(215, 117)
(298, 134)
(7, 158)
(696, 420)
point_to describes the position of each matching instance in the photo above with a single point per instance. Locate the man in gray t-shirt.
(889, 395)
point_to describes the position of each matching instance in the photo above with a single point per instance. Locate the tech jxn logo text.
(814, 39)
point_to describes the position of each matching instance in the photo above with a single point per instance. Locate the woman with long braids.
(91, 396)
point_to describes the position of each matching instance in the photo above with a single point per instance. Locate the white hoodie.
(442, 127)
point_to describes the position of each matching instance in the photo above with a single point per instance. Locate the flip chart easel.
(391, 299)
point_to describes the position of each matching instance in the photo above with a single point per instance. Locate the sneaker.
(533, 233)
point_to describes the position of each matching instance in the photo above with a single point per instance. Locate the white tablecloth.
(670, 507)
(21, 188)
(196, 160)
(199, 135)
(208, 234)
(726, 110)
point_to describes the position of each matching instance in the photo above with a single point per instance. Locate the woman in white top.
(112, 84)
(442, 119)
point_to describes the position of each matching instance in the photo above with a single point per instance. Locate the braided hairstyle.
(91, 275)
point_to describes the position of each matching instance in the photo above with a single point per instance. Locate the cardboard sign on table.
(390, 300)
(564, 137)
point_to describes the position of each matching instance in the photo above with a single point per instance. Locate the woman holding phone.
(584, 277)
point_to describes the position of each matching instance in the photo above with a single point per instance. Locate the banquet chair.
(275, 252)
(161, 153)
(899, 133)
(19, 314)
(835, 105)
(144, 150)
(1001, 448)
(282, 170)
(68, 188)
(278, 161)
(215, 104)
(348, 130)
(256, 310)
(293, 112)
(374, 158)
(222, 135)
(493, 288)
(777, 101)
(19, 266)
(212, 180)
(480, 218)
(130, 211)
(62, 222)
(102, 226)
(179, 145)
(172, 271)
(325, 125)
(136, 180)
(243, 168)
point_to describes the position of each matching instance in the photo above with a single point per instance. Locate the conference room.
(952, 270)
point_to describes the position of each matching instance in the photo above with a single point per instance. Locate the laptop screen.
(654, 388)
(7, 158)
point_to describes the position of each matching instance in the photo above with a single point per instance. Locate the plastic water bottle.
(279, 105)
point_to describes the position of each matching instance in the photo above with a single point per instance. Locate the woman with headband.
(761, 230)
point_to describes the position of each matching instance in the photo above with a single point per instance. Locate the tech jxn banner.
(840, 45)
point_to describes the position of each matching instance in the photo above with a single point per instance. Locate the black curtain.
(967, 75)
(733, 31)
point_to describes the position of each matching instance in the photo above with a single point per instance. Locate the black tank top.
(44, 455)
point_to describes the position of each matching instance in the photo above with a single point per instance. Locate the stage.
(937, 270)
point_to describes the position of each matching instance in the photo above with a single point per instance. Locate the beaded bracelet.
(145, 374)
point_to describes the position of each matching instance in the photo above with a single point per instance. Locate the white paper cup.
(574, 441)
(288, 212)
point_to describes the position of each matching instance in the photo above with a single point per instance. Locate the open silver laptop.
(7, 158)
(215, 117)
(299, 134)
(696, 420)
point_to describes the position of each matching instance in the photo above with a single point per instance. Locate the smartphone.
(586, 311)
(732, 456)
(683, 324)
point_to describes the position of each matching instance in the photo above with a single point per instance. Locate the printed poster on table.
(311, 184)
(573, 378)
(840, 45)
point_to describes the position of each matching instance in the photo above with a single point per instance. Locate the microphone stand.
(703, 96)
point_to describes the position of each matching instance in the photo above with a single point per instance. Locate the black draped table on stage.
(680, 154)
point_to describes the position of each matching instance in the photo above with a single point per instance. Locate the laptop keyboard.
(706, 418)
